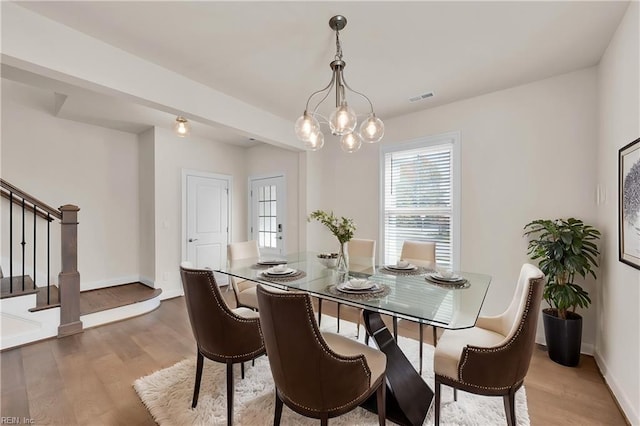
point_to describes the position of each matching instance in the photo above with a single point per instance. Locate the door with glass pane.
(267, 201)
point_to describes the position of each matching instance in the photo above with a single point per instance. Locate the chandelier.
(343, 120)
(182, 127)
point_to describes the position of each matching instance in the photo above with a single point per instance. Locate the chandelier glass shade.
(182, 127)
(342, 121)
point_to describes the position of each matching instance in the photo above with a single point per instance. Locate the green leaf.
(563, 249)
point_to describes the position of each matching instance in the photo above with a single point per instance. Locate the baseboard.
(629, 410)
(147, 281)
(170, 294)
(121, 313)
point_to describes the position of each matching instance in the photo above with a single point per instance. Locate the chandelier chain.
(338, 46)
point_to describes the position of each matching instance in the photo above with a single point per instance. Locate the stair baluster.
(69, 277)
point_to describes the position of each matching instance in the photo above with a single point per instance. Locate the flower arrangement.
(342, 228)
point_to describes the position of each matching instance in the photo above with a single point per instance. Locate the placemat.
(420, 270)
(360, 296)
(295, 276)
(455, 286)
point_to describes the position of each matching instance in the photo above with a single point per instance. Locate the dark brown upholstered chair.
(493, 357)
(318, 375)
(222, 334)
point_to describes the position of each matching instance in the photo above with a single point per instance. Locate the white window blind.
(418, 200)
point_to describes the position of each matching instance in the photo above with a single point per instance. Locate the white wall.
(348, 185)
(146, 176)
(172, 154)
(65, 162)
(618, 328)
(528, 152)
(267, 160)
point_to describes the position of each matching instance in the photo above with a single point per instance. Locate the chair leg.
(455, 394)
(324, 419)
(319, 311)
(196, 388)
(229, 393)
(435, 336)
(510, 407)
(381, 395)
(395, 328)
(438, 385)
(359, 321)
(338, 314)
(278, 413)
(242, 370)
(420, 350)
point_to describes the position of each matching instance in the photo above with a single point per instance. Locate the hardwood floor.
(112, 297)
(87, 378)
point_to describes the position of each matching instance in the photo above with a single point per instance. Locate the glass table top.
(406, 296)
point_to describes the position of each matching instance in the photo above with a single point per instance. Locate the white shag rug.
(167, 394)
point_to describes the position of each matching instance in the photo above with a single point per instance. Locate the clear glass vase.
(343, 260)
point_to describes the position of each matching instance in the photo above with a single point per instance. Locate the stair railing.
(69, 277)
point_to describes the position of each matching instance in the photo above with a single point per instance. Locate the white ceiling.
(274, 54)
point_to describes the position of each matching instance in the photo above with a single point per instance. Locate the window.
(419, 199)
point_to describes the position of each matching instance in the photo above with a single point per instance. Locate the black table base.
(408, 396)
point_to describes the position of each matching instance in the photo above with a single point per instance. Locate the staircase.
(31, 307)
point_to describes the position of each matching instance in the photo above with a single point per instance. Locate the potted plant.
(564, 249)
(342, 228)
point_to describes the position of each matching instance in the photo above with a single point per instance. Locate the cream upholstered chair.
(362, 258)
(245, 291)
(493, 357)
(362, 255)
(419, 253)
(229, 336)
(318, 375)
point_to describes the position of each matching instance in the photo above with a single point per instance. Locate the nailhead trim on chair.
(495, 349)
(356, 359)
(230, 314)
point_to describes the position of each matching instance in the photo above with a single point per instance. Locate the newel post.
(69, 277)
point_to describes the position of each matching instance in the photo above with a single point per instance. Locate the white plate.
(367, 285)
(272, 271)
(344, 287)
(452, 279)
(459, 284)
(409, 267)
(272, 262)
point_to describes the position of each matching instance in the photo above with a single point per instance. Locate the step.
(105, 305)
(102, 299)
(41, 299)
(6, 286)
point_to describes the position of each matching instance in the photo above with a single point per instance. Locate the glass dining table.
(411, 294)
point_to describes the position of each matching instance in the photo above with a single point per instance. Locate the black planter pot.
(564, 337)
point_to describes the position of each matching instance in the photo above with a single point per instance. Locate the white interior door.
(268, 206)
(207, 227)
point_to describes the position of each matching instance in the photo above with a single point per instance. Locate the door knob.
(192, 240)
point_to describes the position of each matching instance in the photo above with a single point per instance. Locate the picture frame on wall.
(629, 204)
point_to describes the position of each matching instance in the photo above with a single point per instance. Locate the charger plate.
(284, 278)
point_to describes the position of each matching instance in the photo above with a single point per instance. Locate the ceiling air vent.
(421, 97)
